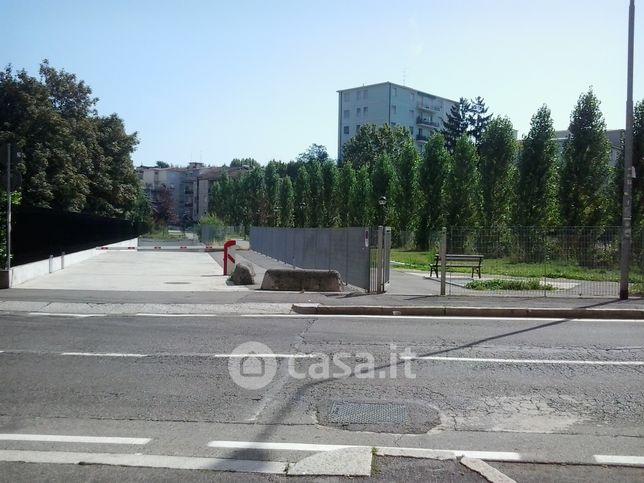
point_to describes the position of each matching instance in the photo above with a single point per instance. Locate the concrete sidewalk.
(138, 271)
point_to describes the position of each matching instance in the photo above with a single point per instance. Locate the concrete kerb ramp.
(308, 280)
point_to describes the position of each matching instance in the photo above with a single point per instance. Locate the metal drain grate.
(366, 413)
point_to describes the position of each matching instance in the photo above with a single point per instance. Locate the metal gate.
(379, 256)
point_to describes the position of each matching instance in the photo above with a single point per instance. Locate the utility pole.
(628, 164)
(8, 174)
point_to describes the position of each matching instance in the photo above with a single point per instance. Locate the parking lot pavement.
(139, 271)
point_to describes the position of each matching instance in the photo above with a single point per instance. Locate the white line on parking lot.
(59, 438)
(522, 361)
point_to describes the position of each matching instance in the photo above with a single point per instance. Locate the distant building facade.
(615, 137)
(390, 104)
(189, 187)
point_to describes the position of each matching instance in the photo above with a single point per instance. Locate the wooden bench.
(458, 261)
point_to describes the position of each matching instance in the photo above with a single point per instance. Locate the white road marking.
(609, 459)
(522, 361)
(146, 461)
(102, 354)
(176, 315)
(489, 455)
(57, 314)
(59, 438)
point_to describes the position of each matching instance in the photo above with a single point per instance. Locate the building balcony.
(424, 106)
(421, 138)
(424, 121)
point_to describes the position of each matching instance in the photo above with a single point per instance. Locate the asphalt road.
(564, 391)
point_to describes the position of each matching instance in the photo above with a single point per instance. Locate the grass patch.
(501, 284)
(163, 235)
(417, 260)
(638, 289)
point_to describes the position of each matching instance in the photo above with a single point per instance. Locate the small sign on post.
(229, 256)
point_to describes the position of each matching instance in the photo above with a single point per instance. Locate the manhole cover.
(177, 283)
(366, 413)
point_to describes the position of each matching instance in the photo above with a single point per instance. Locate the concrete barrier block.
(301, 279)
(243, 274)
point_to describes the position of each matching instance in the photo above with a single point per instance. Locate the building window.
(393, 109)
(411, 130)
(393, 123)
(411, 114)
(358, 95)
(358, 111)
(411, 96)
(345, 114)
(364, 110)
(364, 94)
(346, 96)
(357, 128)
(346, 130)
(394, 91)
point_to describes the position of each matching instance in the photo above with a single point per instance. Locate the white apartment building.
(393, 104)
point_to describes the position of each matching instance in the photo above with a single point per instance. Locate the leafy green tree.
(462, 186)
(384, 182)
(361, 208)
(331, 177)
(254, 189)
(74, 160)
(585, 187)
(316, 194)
(287, 203)
(457, 123)
(248, 163)
(372, 141)
(315, 152)
(497, 151)
(142, 210)
(272, 192)
(536, 196)
(478, 119)
(164, 213)
(432, 171)
(407, 192)
(302, 197)
(162, 164)
(346, 187)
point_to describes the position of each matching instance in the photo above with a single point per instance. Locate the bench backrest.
(453, 257)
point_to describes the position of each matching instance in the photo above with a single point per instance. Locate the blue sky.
(213, 80)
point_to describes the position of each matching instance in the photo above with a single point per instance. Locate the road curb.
(433, 311)
(488, 472)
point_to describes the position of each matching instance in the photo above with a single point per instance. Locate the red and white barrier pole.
(229, 256)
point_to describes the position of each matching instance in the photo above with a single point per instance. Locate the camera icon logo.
(252, 365)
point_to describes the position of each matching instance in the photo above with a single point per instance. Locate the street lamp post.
(382, 201)
(628, 163)
(302, 208)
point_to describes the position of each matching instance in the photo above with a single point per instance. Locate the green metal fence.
(531, 261)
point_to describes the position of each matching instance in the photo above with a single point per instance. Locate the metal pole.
(8, 173)
(443, 256)
(628, 164)
(379, 273)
